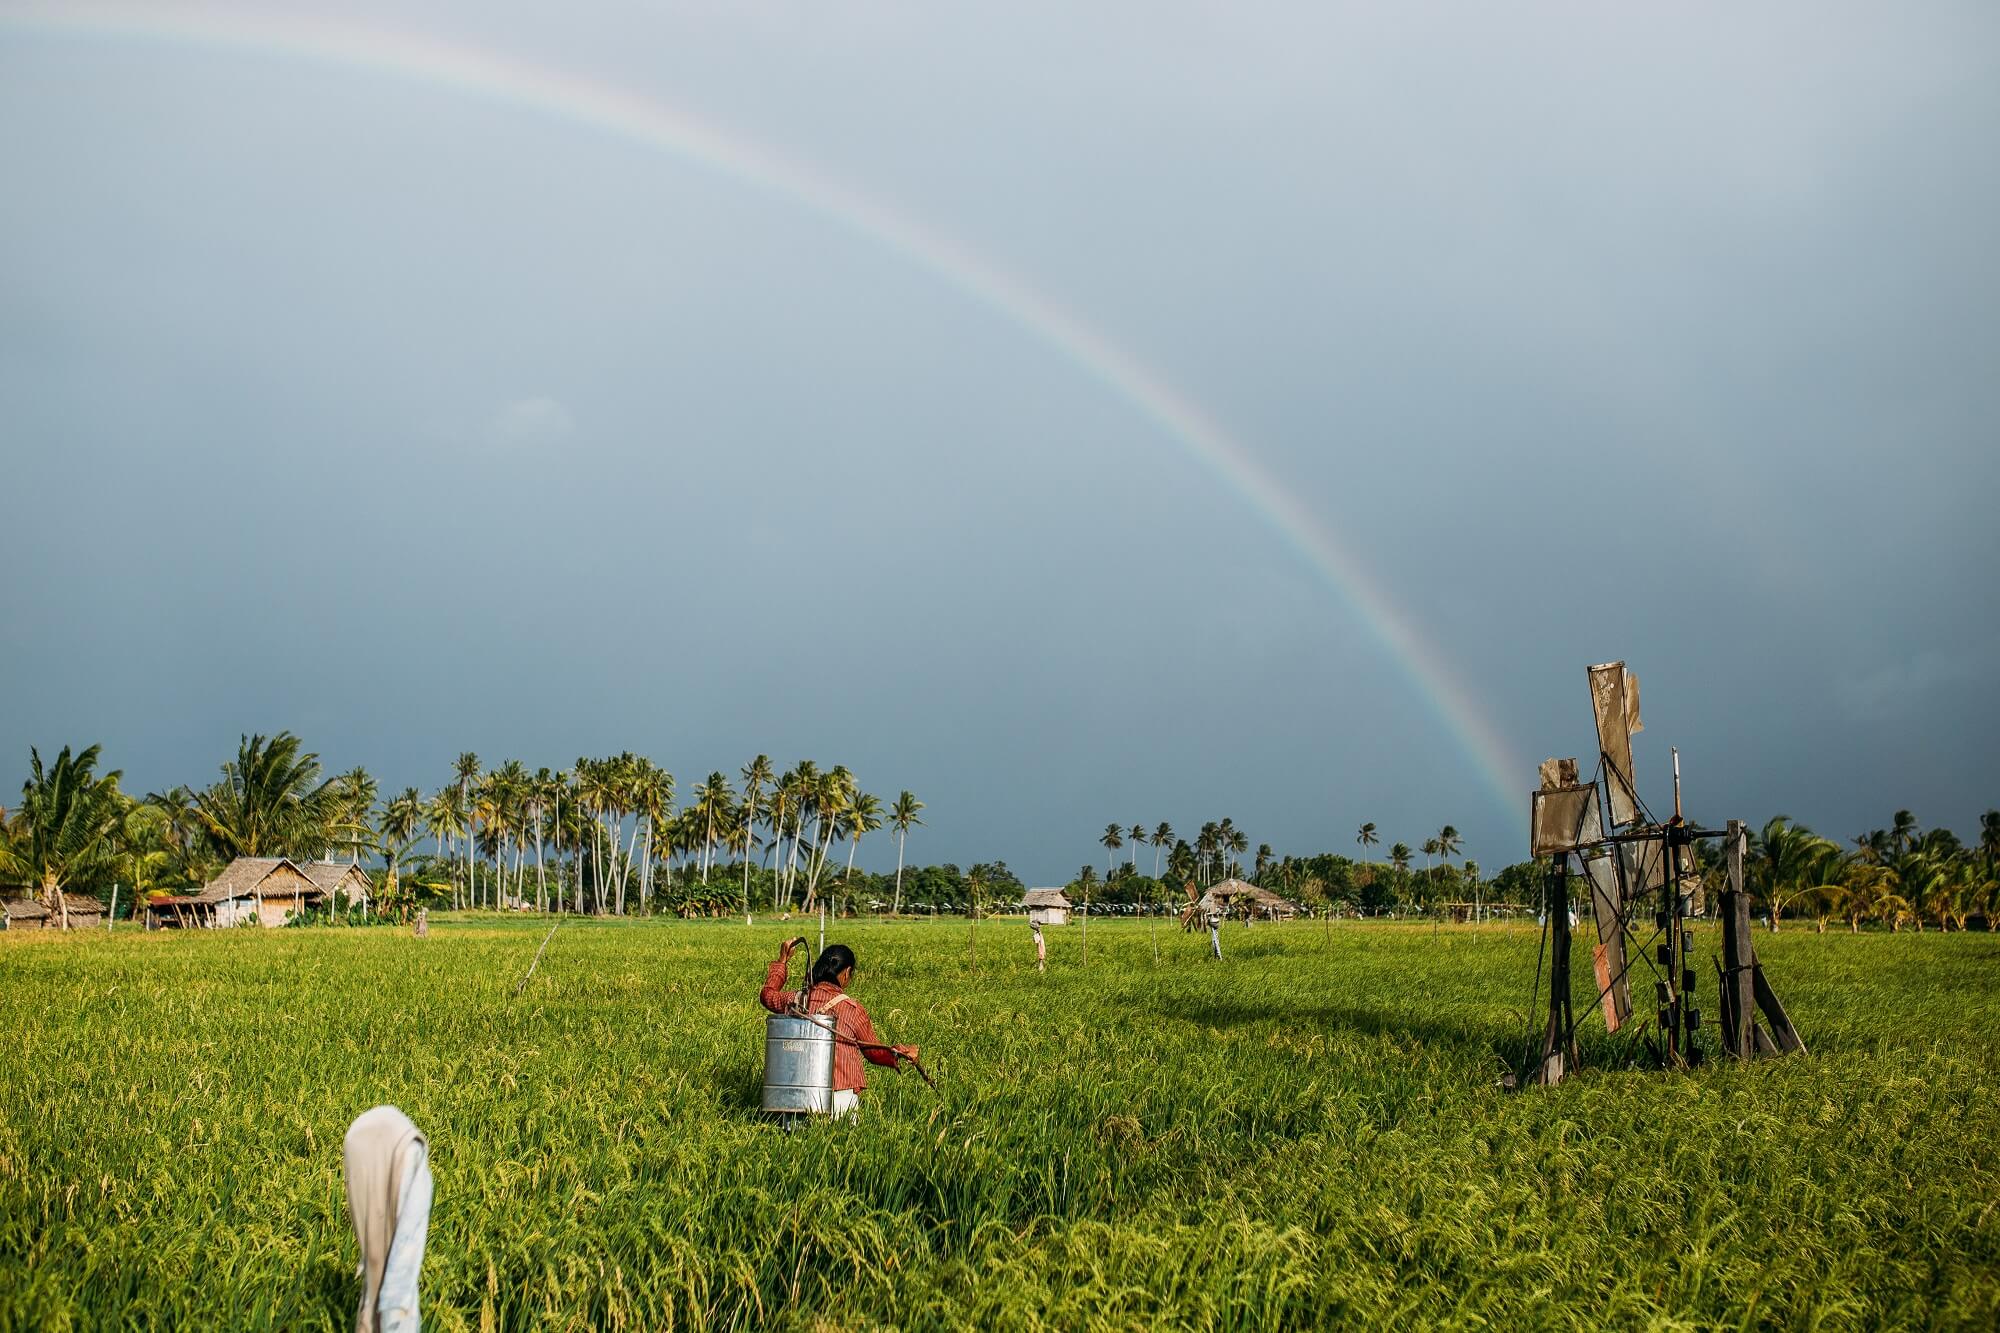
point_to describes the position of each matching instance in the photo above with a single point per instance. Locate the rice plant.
(1309, 1133)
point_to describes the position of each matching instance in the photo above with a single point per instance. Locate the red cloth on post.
(850, 1021)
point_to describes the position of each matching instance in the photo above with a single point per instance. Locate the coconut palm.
(1112, 840)
(902, 818)
(1787, 860)
(444, 817)
(1903, 830)
(1263, 859)
(1137, 837)
(713, 803)
(1366, 837)
(270, 802)
(1236, 843)
(862, 816)
(67, 825)
(402, 821)
(756, 776)
(1163, 838)
(1399, 856)
(466, 770)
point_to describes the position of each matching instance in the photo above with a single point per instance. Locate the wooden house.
(1046, 907)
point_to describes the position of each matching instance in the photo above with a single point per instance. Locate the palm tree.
(67, 824)
(862, 816)
(756, 774)
(1263, 858)
(1989, 838)
(1903, 830)
(270, 801)
(444, 816)
(903, 817)
(1366, 837)
(1113, 839)
(836, 796)
(467, 769)
(712, 802)
(1163, 838)
(1137, 837)
(402, 818)
(1235, 842)
(1787, 859)
(542, 792)
(1205, 844)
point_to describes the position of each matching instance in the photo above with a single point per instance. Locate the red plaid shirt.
(850, 1024)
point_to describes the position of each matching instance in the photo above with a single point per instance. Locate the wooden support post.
(1737, 955)
(1559, 1037)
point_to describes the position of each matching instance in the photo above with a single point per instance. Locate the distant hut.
(1235, 897)
(166, 911)
(25, 914)
(1046, 907)
(345, 878)
(82, 910)
(261, 889)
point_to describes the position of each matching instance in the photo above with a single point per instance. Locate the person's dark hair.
(833, 960)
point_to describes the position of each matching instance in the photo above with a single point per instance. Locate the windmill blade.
(1614, 701)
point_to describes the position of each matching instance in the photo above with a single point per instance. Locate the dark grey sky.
(416, 421)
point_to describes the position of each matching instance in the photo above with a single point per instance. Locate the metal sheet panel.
(1608, 957)
(1559, 773)
(1615, 712)
(1645, 866)
(1563, 820)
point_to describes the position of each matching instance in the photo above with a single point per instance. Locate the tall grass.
(1309, 1133)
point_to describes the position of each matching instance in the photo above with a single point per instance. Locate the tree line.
(1902, 876)
(603, 836)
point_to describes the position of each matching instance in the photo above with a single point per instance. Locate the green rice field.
(1310, 1133)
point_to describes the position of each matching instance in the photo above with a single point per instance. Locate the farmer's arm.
(774, 996)
(864, 1032)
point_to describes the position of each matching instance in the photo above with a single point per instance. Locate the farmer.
(825, 992)
(1041, 946)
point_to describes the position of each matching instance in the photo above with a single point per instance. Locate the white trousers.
(845, 1102)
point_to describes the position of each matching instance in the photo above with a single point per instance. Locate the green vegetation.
(1307, 1134)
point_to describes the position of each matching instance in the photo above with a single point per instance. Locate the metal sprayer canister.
(798, 1064)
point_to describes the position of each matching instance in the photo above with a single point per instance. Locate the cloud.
(531, 421)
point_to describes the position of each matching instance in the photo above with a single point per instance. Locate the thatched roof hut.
(342, 877)
(1234, 897)
(1046, 907)
(267, 889)
(23, 914)
(83, 912)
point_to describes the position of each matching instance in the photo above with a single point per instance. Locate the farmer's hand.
(785, 950)
(907, 1052)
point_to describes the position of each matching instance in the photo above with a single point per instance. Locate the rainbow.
(641, 120)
